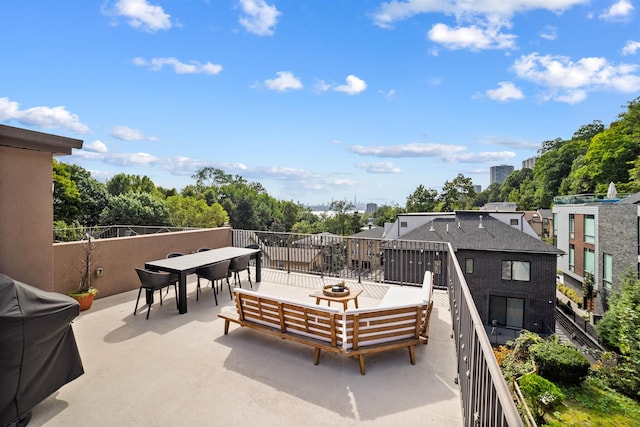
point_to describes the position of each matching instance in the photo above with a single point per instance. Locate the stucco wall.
(26, 216)
(119, 257)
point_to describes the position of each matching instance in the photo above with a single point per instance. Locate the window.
(572, 258)
(555, 224)
(572, 226)
(516, 270)
(589, 261)
(403, 224)
(468, 265)
(607, 271)
(506, 311)
(514, 221)
(589, 229)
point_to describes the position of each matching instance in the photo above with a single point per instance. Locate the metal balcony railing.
(73, 234)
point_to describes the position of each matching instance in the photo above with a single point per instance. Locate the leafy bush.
(619, 373)
(517, 362)
(501, 354)
(570, 293)
(541, 394)
(559, 362)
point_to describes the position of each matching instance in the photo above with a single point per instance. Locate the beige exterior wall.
(26, 216)
(118, 257)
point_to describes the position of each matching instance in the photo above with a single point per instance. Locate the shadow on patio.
(182, 370)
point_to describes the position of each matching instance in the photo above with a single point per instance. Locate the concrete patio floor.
(181, 370)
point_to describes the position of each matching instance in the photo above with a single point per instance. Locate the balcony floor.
(181, 370)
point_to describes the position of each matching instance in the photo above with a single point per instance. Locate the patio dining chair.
(237, 265)
(174, 277)
(152, 281)
(213, 273)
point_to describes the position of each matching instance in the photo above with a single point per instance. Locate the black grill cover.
(38, 351)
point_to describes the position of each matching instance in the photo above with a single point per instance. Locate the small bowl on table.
(337, 290)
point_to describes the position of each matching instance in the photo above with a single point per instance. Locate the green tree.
(291, 213)
(135, 208)
(123, 183)
(386, 213)
(192, 212)
(489, 194)
(422, 200)
(552, 167)
(93, 195)
(340, 222)
(66, 196)
(457, 194)
(619, 326)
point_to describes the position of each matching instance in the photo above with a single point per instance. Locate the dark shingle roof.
(371, 233)
(464, 232)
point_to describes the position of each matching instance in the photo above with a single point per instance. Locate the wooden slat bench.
(318, 327)
(368, 330)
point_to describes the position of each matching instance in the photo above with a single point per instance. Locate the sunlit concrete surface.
(181, 370)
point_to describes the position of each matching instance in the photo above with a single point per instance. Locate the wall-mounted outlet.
(99, 271)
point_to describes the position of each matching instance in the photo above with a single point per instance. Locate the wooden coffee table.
(353, 295)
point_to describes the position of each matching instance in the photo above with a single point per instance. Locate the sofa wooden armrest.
(368, 331)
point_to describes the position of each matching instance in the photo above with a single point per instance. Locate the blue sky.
(317, 100)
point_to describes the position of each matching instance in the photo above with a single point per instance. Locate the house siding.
(538, 294)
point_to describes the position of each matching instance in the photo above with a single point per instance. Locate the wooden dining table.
(188, 264)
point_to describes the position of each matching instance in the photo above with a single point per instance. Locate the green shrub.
(570, 293)
(559, 362)
(541, 395)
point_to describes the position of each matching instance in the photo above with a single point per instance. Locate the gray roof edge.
(39, 141)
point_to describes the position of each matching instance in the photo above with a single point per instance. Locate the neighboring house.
(510, 273)
(364, 249)
(600, 237)
(540, 222)
(291, 258)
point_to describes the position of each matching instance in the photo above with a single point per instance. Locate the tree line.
(586, 163)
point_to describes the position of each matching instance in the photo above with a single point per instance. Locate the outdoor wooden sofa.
(355, 332)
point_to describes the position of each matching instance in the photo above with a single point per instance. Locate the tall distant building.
(371, 208)
(499, 173)
(477, 188)
(528, 163)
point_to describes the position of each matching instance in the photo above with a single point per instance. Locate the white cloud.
(194, 67)
(389, 94)
(449, 153)
(285, 81)
(96, 146)
(353, 86)
(380, 167)
(125, 133)
(396, 10)
(43, 117)
(415, 149)
(321, 86)
(619, 10)
(569, 81)
(506, 91)
(508, 142)
(142, 15)
(549, 32)
(260, 17)
(473, 37)
(631, 48)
